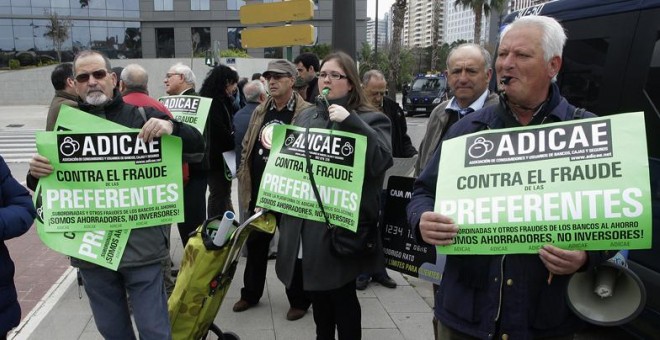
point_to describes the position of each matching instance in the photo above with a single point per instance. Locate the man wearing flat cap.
(283, 105)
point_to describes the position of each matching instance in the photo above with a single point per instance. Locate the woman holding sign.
(309, 249)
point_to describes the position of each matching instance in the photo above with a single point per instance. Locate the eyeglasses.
(169, 75)
(98, 75)
(332, 75)
(380, 93)
(276, 76)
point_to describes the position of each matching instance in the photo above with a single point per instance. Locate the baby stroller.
(205, 276)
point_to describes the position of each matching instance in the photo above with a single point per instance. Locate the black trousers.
(338, 308)
(254, 277)
(219, 193)
(194, 205)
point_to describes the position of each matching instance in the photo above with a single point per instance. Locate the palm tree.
(480, 8)
(398, 15)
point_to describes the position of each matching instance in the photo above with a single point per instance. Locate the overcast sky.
(383, 7)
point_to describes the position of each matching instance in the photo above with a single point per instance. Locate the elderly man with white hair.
(516, 296)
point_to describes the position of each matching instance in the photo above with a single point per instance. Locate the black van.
(611, 64)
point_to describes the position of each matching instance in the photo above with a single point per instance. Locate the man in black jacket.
(375, 87)
(139, 275)
(308, 65)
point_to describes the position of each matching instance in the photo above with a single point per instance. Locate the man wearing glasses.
(282, 107)
(375, 87)
(139, 276)
(180, 80)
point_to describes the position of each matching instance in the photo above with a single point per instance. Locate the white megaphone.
(610, 295)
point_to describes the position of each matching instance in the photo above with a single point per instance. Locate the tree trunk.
(478, 13)
(435, 53)
(398, 15)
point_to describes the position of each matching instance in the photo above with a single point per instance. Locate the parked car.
(611, 64)
(425, 93)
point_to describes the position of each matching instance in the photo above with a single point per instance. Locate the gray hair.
(366, 78)
(186, 72)
(135, 77)
(253, 90)
(484, 54)
(553, 36)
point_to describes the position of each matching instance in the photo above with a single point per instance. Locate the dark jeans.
(254, 277)
(194, 205)
(338, 308)
(219, 193)
(107, 291)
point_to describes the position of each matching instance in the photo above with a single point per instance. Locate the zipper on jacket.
(499, 304)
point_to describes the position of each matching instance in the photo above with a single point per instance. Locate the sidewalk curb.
(44, 306)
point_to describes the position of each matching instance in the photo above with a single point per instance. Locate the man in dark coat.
(308, 65)
(139, 276)
(514, 295)
(65, 93)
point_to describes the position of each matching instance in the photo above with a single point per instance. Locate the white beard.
(96, 98)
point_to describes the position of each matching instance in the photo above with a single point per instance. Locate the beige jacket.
(434, 127)
(244, 174)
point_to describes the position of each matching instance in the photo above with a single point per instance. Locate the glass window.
(582, 71)
(201, 39)
(165, 42)
(6, 38)
(21, 9)
(131, 5)
(80, 36)
(115, 4)
(163, 5)
(60, 3)
(234, 37)
(132, 47)
(199, 5)
(23, 35)
(652, 87)
(274, 52)
(235, 5)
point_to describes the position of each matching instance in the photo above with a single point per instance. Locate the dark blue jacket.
(241, 122)
(476, 290)
(16, 216)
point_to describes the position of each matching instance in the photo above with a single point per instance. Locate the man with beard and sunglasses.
(139, 276)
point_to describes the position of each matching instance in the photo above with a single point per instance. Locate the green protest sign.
(104, 248)
(70, 118)
(191, 110)
(99, 247)
(337, 159)
(581, 185)
(108, 180)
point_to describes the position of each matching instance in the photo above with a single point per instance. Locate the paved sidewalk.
(401, 313)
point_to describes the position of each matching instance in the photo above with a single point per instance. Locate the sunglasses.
(98, 75)
(276, 76)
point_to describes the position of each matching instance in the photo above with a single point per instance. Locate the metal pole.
(376, 33)
(343, 26)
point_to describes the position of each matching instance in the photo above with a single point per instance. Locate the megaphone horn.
(610, 295)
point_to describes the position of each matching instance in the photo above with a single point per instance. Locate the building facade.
(383, 31)
(418, 23)
(460, 24)
(146, 28)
